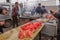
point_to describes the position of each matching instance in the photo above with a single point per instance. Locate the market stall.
(13, 34)
(27, 16)
(48, 27)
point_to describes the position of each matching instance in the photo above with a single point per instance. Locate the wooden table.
(13, 34)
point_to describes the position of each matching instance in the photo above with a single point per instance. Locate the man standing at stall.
(39, 9)
(44, 9)
(57, 15)
(33, 10)
(15, 11)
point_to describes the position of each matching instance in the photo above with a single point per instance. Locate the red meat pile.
(27, 29)
(51, 17)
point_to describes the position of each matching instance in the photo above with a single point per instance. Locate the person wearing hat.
(3, 11)
(57, 15)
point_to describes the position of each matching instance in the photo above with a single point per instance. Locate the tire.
(8, 23)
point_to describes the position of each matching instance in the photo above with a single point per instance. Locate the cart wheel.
(8, 23)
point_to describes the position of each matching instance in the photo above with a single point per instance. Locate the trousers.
(15, 21)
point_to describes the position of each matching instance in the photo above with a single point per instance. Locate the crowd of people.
(15, 14)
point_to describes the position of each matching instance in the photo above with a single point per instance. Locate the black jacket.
(0, 10)
(39, 10)
(57, 15)
(44, 10)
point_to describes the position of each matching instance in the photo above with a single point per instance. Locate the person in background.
(39, 9)
(15, 14)
(57, 15)
(44, 9)
(23, 11)
(2, 22)
(33, 11)
(0, 7)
